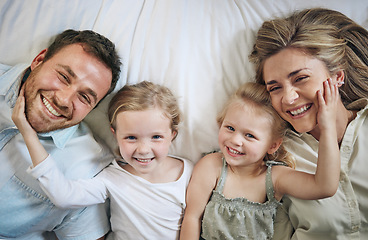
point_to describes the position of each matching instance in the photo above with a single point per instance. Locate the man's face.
(60, 92)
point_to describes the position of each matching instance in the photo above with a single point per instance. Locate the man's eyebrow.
(71, 73)
(68, 69)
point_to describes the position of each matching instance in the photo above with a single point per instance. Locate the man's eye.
(63, 77)
(84, 98)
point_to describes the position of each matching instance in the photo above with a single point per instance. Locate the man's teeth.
(50, 108)
(299, 111)
(144, 160)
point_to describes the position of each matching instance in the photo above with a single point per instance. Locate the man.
(61, 86)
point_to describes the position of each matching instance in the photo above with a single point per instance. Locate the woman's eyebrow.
(293, 73)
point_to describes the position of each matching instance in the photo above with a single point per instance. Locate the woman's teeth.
(299, 111)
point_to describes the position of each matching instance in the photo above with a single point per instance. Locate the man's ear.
(38, 59)
(274, 146)
(112, 130)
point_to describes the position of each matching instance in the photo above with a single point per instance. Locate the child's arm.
(203, 181)
(35, 148)
(325, 181)
(62, 192)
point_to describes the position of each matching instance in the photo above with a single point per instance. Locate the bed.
(197, 48)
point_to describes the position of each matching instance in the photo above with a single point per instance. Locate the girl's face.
(144, 138)
(293, 79)
(245, 135)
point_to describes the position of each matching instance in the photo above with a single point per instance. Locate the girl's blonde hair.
(325, 34)
(142, 96)
(257, 95)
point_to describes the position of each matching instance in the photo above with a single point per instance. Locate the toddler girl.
(146, 187)
(232, 194)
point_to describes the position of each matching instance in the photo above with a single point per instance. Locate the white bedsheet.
(198, 48)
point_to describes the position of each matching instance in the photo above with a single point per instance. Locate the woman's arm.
(325, 181)
(203, 181)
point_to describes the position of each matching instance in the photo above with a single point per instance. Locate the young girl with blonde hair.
(146, 187)
(232, 194)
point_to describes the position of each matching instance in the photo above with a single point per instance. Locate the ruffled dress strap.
(269, 185)
(221, 182)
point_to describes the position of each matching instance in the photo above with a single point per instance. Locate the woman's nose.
(289, 95)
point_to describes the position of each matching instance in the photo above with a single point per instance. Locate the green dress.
(239, 218)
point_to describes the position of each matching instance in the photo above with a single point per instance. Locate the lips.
(299, 111)
(144, 160)
(234, 152)
(50, 108)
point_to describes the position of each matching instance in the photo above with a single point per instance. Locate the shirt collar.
(60, 136)
(10, 90)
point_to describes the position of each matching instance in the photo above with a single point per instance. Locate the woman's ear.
(38, 59)
(340, 77)
(274, 146)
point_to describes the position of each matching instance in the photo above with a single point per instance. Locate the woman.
(293, 56)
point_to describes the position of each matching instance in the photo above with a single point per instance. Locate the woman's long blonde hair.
(325, 34)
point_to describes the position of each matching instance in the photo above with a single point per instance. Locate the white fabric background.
(198, 48)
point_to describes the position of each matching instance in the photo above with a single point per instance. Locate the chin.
(304, 129)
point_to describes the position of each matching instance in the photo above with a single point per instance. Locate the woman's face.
(293, 79)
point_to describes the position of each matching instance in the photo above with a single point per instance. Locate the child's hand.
(19, 117)
(328, 105)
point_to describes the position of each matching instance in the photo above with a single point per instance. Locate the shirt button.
(351, 204)
(346, 149)
(355, 228)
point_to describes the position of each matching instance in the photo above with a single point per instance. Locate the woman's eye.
(273, 88)
(298, 79)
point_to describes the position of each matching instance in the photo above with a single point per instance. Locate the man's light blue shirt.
(25, 210)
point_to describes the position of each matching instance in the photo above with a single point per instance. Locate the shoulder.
(211, 164)
(182, 163)
(213, 160)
